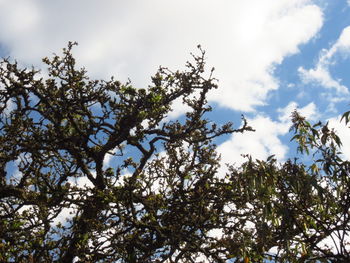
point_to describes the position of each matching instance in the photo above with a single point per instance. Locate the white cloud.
(64, 215)
(265, 140)
(335, 241)
(309, 112)
(243, 39)
(322, 76)
(260, 144)
(274, 34)
(110, 157)
(343, 132)
(81, 181)
(321, 73)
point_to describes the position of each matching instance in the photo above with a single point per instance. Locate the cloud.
(310, 112)
(64, 215)
(260, 144)
(265, 141)
(244, 40)
(321, 75)
(343, 132)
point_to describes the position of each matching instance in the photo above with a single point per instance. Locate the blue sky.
(270, 56)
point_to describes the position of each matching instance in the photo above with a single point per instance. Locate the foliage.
(160, 198)
(315, 197)
(158, 203)
(301, 209)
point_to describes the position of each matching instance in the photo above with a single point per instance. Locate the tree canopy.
(153, 191)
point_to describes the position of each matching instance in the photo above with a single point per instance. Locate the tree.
(160, 198)
(63, 127)
(301, 209)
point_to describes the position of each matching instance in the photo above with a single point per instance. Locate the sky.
(270, 57)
